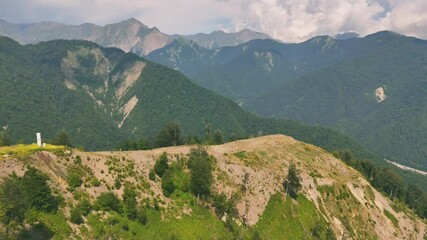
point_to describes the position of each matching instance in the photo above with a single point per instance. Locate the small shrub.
(84, 206)
(223, 205)
(161, 164)
(74, 177)
(95, 182)
(75, 216)
(78, 160)
(167, 183)
(117, 183)
(152, 175)
(108, 201)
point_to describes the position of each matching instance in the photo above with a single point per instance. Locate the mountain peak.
(247, 30)
(132, 21)
(385, 33)
(321, 39)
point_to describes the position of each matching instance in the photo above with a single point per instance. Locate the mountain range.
(371, 88)
(129, 35)
(102, 96)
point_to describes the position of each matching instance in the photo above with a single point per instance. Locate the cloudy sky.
(287, 20)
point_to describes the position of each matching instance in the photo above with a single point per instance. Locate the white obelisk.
(39, 139)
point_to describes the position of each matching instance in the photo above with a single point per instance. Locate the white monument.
(39, 139)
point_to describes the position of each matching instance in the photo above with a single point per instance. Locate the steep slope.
(333, 196)
(372, 88)
(102, 96)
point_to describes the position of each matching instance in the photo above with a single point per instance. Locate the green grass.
(201, 224)
(251, 159)
(46, 226)
(57, 224)
(21, 150)
(369, 193)
(284, 219)
(240, 154)
(392, 218)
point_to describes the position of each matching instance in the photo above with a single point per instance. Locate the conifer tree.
(292, 183)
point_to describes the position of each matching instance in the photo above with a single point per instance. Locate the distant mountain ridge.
(219, 38)
(129, 35)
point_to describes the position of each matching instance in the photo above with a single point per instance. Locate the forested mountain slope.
(372, 88)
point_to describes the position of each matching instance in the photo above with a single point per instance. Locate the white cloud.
(288, 20)
(409, 17)
(297, 20)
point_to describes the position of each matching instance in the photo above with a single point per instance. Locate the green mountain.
(102, 97)
(371, 88)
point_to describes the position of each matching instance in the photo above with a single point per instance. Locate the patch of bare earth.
(128, 77)
(127, 109)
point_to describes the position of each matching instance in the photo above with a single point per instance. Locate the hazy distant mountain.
(372, 88)
(219, 38)
(129, 35)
